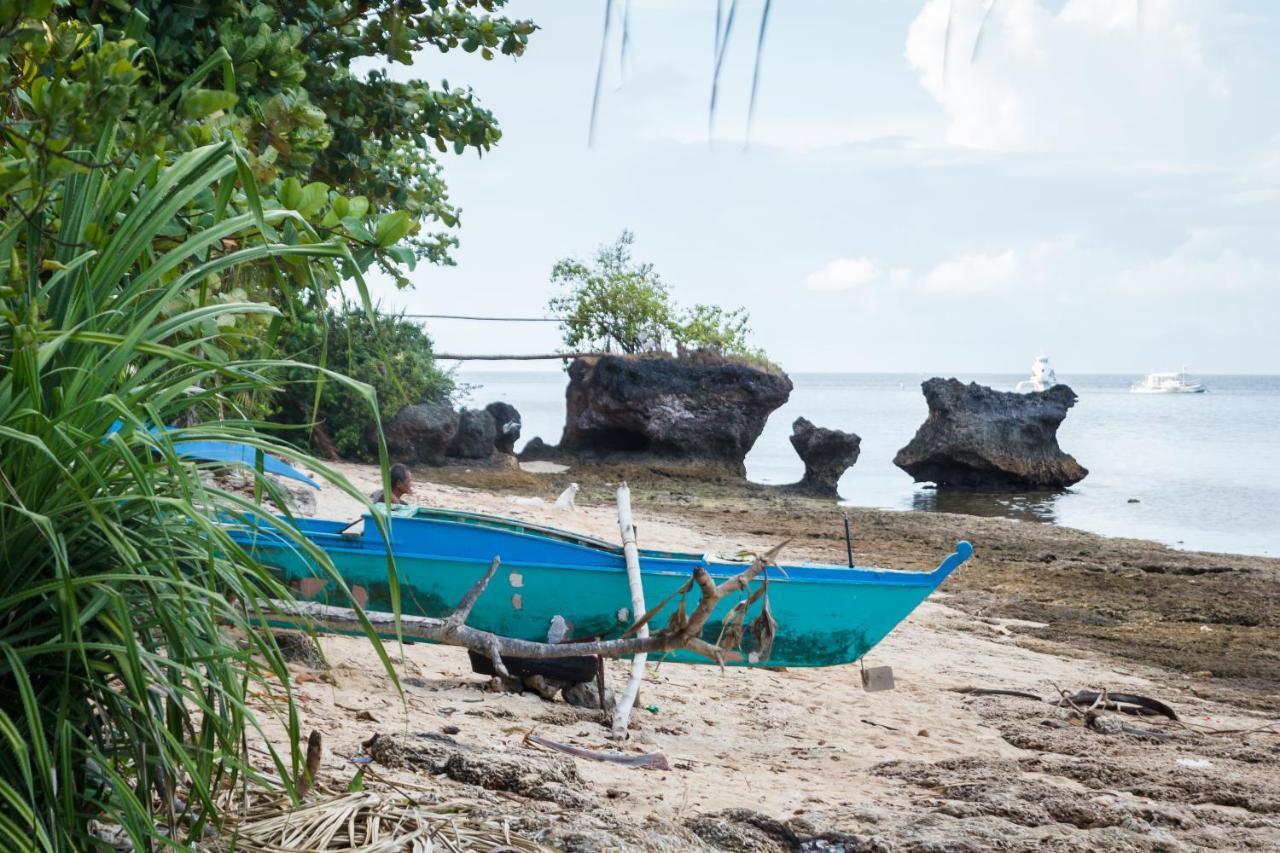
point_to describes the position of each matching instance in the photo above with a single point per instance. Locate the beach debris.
(299, 647)
(306, 777)
(1196, 763)
(519, 501)
(1125, 703)
(646, 761)
(876, 678)
(880, 725)
(368, 820)
(568, 498)
(989, 691)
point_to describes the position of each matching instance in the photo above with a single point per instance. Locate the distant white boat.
(1168, 383)
(1042, 377)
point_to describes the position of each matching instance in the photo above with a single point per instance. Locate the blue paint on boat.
(826, 615)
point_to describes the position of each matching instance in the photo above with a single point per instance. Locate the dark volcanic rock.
(475, 436)
(827, 454)
(421, 433)
(977, 438)
(537, 450)
(701, 410)
(507, 421)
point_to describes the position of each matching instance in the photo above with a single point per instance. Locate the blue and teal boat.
(826, 615)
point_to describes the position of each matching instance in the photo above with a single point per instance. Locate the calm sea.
(1204, 468)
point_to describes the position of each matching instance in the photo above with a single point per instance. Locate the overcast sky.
(1097, 180)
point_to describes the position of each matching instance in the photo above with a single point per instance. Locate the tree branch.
(452, 631)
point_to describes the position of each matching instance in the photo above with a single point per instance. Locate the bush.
(385, 351)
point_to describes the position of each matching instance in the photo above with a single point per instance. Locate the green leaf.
(357, 782)
(392, 228)
(314, 196)
(198, 103)
(291, 193)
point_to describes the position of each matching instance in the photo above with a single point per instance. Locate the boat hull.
(826, 615)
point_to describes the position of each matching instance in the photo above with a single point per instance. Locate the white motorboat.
(1168, 383)
(1042, 377)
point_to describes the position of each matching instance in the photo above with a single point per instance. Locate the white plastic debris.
(1197, 763)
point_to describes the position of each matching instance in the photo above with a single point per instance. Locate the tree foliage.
(355, 153)
(614, 303)
(388, 353)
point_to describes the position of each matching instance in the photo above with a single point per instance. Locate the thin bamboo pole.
(622, 711)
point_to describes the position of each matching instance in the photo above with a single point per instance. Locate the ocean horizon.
(1198, 472)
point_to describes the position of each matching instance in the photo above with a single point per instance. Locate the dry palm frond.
(367, 822)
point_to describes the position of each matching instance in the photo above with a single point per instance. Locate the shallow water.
(1204, 469)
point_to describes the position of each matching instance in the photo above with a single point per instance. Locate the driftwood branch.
(686, 635)
(459, 617)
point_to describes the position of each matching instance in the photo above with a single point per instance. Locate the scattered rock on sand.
(827, 454)
(978, 438)
(422, 433)
(297, 647)
(749, 831)
(587, 695)
(543, 777)
(699, 409)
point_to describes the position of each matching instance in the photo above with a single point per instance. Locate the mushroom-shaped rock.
(703, 410)
(475, 436)
(827, 454)
(421, 432)
(506, 420)
(978, 438)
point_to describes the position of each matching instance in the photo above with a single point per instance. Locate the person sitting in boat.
(401, 485)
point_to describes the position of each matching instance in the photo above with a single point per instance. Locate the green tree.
(354, 153)
(614, 303)
(385, 352)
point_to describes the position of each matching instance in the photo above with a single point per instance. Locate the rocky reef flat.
(764, 760)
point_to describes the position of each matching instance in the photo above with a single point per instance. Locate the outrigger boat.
(826, 615)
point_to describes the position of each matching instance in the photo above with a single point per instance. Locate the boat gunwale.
(792, 573)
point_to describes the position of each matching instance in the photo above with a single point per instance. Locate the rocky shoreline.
(805, 759)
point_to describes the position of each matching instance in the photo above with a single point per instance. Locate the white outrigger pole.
(622, 711)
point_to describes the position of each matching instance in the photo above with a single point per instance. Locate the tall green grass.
(130, 625)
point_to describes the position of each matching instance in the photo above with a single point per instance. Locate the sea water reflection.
(1022, 506)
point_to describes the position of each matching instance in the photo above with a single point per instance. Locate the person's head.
(401, 482)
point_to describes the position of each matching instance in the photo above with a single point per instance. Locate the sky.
(1094, 180)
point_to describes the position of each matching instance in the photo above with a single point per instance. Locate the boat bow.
(953, 561)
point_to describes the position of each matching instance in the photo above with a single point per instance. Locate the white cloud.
(1090, 77)
(973, 273)
(1206, 262)
(845, 274)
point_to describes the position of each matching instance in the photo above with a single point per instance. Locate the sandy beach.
(799, 759)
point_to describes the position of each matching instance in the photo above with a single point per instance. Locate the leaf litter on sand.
(367, 822)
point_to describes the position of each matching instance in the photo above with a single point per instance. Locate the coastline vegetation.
(184, 189)
(614, 303)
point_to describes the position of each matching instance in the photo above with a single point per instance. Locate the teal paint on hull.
(826, 615)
